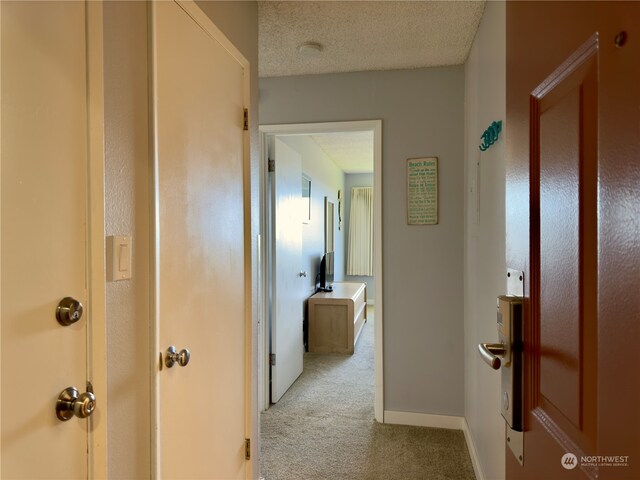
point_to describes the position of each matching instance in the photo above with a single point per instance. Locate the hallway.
(324, 427)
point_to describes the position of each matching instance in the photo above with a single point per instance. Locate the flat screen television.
(326, 272)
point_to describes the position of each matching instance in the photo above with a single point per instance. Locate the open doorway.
(338, 200)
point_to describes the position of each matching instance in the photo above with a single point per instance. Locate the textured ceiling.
(364, 35)
(351, 151)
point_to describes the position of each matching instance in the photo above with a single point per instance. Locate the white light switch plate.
(118, 258)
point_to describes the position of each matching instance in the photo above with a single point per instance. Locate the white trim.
(249, 353)
(473, 453)
(264, 269)
(325, 127)
(424, 420)
(195, 12)
(96, 324)
(0, 248)
(378, 227)
(374, 126)
(154, 248)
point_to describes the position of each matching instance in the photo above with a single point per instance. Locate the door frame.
(97, 322)
(96, 249)
(267, 131)
(200, 18)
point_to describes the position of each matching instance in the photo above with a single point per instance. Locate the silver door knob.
(69, 311)
(172, 357)
(71, 402)
(302, 274)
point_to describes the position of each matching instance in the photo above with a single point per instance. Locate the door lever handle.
(491, 353)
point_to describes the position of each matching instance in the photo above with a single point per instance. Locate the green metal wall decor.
(490, 135)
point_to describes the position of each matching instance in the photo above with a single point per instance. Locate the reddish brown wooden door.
(573, 227)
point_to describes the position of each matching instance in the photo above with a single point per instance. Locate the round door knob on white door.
(71, 402)
(172, 357)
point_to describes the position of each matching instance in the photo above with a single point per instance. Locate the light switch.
(118, 258)
(124, 257)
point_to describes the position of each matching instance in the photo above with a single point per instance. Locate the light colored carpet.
(324, 428)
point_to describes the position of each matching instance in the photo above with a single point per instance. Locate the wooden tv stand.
(336, 318)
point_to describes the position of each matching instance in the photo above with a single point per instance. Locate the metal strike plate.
(515, 440)
(510, 335)
(515, 283)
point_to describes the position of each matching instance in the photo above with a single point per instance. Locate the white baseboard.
(424, 420)
(473, 453)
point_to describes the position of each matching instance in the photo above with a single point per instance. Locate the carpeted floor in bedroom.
(324, 428)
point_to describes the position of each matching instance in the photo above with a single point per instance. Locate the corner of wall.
(484, 251)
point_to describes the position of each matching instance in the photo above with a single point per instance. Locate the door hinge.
(247, 449)
(272, 165)
(246, 119)
(272, 359)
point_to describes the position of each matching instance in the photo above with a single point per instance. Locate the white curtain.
(360, 255)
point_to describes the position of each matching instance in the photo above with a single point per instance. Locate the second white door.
(287, 287)
(200, 252)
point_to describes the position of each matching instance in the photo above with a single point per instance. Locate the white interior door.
(287, 288)
(45, 233)
(199, 98)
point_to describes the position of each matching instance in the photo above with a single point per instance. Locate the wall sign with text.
(422, 191)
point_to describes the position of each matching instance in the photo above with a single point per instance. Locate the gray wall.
(484, 234)
(127, 213)
(355, 180)
(422, 114)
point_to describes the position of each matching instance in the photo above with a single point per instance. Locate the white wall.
(485, 270)
(127, 213)
(422, 113)
(355, 180)
(326, 179)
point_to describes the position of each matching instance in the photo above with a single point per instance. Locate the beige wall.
(127, 213)
(485, 270)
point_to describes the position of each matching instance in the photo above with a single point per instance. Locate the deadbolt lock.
(69, 311)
